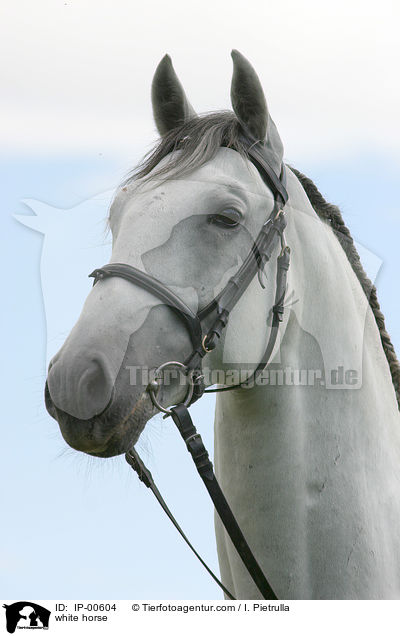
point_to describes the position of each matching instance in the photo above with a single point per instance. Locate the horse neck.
(331, 343)
(312, 472)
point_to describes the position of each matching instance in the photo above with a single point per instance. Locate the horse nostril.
(81, 387)
(93, 385)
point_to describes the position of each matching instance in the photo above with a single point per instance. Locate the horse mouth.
(109, 433)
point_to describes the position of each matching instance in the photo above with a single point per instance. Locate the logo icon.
(26, 615)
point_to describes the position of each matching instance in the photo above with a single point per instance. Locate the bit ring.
(154, 385)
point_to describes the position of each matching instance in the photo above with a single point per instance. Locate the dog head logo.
(25, 614)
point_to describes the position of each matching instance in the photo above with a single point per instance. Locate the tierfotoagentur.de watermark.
(337, 378)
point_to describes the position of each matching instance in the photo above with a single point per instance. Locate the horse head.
(188, 218)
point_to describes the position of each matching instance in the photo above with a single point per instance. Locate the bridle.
(260, 253)
(270, 235)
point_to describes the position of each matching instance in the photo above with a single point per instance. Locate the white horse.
(308, 458)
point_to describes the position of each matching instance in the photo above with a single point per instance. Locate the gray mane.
(198, 141)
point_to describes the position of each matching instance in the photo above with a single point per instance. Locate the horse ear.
(170, 104)
(250, 106)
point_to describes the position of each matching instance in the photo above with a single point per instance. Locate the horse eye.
(226, 218)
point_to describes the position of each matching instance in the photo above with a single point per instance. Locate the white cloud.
(76, 75)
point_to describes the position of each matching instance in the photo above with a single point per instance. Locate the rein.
(271, 234)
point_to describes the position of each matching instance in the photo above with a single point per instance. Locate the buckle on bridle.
(154, 386)
(204, 345)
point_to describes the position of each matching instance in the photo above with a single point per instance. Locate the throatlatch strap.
(146, 477)
(199, 454)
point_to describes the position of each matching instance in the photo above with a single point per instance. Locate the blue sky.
(77, 119)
